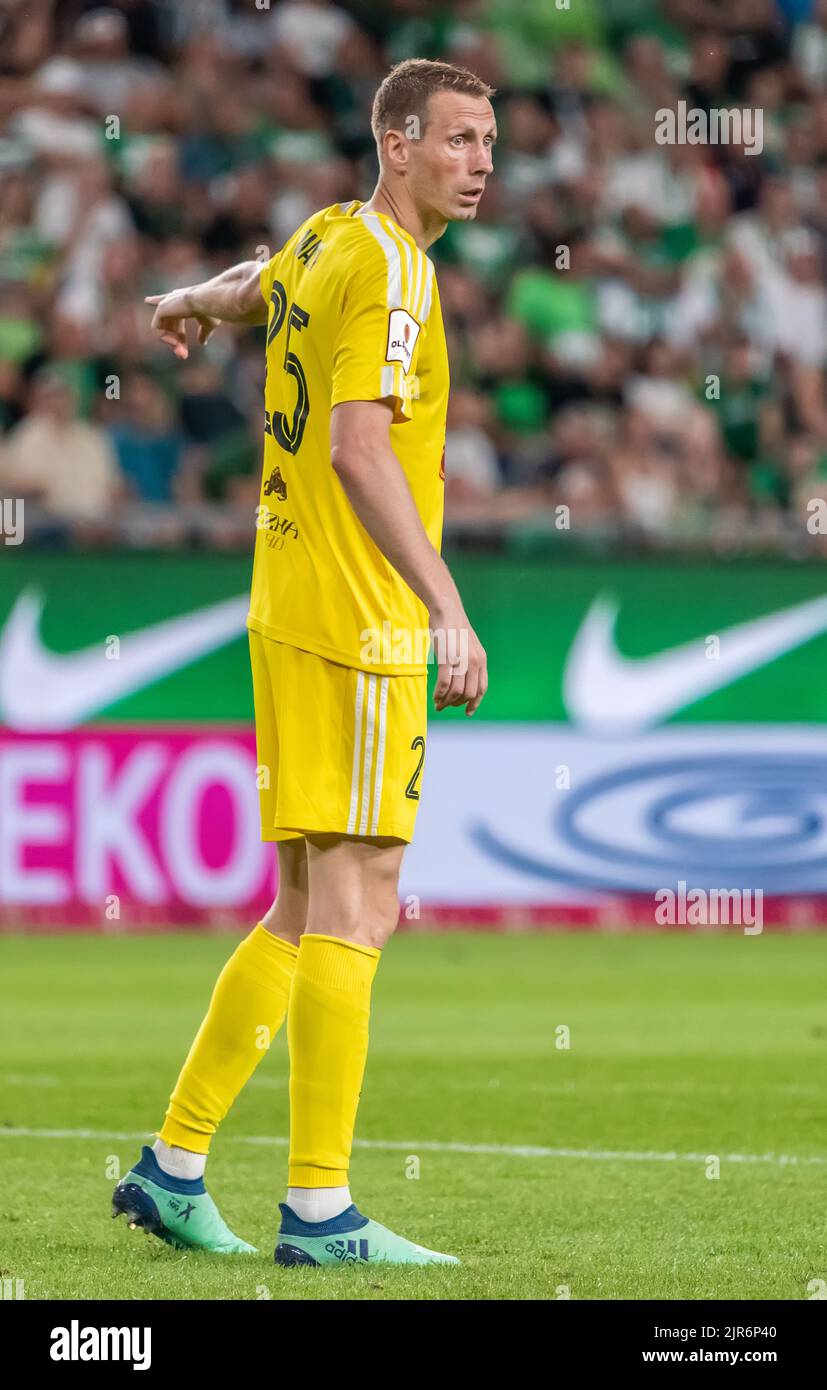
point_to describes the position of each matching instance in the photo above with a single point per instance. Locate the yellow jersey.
(354, 316)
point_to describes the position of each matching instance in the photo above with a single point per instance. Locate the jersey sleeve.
(384, 314)
(265, 280)
(269, 269)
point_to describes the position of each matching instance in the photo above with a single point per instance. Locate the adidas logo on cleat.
(346, 1251)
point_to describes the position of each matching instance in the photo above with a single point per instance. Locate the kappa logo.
(276, 484)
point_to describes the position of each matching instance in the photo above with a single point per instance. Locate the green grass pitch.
(682, 1047)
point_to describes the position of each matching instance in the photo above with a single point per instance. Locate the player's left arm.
(234, 296)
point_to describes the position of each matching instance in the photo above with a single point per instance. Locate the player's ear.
(395, 150)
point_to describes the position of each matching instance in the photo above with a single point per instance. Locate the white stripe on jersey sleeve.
(429, 289)
(409, 301)
(392, 257)
(416, 288)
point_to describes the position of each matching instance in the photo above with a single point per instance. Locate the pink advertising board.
(130, 827)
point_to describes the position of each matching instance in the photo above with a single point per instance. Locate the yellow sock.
(327, 1033)
(246, 1011)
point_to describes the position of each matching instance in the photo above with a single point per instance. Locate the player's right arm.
(234, 296)
(387, 302)
(377, 489)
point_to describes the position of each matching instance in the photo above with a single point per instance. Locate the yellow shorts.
(339, 751)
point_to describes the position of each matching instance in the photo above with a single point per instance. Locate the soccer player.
(347, 578)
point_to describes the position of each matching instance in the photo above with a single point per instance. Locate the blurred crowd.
(637, 330)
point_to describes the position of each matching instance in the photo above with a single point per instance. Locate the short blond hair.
(406, 90)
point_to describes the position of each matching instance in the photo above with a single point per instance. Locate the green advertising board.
(528, 614)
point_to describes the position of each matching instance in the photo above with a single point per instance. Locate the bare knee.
(287, 917)
(354, 888)
(380, 910)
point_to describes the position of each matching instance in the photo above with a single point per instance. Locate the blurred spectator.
(148, 445)
(472, 471)
(58, 461)
(24, 252)
(107, 70)
(20, 331)
(54, 120)
(312, 33)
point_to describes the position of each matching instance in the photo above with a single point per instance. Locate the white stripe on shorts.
(380, 755)
(368, 755)
(357, 748)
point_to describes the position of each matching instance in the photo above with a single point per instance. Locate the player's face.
(450, 164)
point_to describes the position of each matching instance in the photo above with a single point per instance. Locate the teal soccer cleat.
(177, 1210)
(348, 1239)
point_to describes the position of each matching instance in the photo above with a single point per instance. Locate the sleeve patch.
(403, 331)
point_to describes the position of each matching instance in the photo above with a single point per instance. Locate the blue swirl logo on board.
(755, 820)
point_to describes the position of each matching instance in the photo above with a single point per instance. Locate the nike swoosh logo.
(42, 690)
(609, 693)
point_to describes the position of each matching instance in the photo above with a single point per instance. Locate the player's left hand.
(170, 320)
(462, 675)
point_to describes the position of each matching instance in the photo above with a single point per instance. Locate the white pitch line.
(436, 1146)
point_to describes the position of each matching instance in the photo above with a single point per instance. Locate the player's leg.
(354, 908)
(287, 917)
(164, 1193)
(246, 1011)
(247, 1008)
(352, 745)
